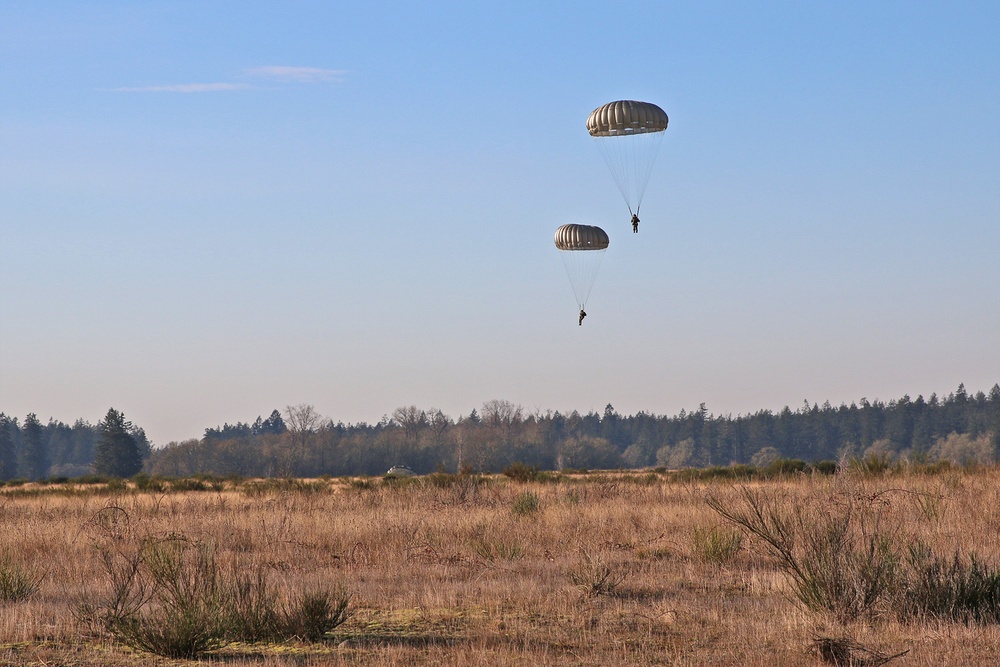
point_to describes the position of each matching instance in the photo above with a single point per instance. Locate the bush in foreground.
(840, 558)
(170, 596)
(959, 589)
(850, 559)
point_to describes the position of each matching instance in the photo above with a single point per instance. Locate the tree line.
(959, 427)
(32, 450)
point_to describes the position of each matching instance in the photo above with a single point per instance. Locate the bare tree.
(502, 416)
(302, 421)
(302, 418)
(412, 420)
(438, 421)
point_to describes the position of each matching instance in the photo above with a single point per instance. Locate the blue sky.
(212, 210)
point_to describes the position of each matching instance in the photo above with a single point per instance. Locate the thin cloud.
(298, 74)
(185, 88)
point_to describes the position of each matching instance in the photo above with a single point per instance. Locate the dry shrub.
(251, 613)
(313, 613)
(182, 616)
(850, 558)
(521, 472)
(841, 556)
(171, 596)
(843, 652)
(959, 589)
(594, 575)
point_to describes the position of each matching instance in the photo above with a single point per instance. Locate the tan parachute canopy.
(581, 237)
(626, 117)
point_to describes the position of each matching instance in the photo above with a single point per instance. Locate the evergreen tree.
(59, 445)
(273, 424)
(34, 452)
(994, 419)
(8, 451)
(117, 452)
(84, 437)
(141, 442)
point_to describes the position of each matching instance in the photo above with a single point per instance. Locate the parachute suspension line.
(582, 268)
(630, 160)
(653, 140)
(616, 158)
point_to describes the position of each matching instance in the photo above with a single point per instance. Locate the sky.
(211, 210)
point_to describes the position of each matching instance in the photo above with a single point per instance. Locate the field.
(583, 569)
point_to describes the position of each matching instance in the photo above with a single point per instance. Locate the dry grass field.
(596, 569)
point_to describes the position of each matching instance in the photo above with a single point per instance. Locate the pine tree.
(273, 424)
(8, 450)
(994, 419)
(117, 452)
(34, 450)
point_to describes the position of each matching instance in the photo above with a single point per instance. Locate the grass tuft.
(594, 576)
(498, 549)
(313, 613)
(526, 504)
(715, 544)
(17, 582)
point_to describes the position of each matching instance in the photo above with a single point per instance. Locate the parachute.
(582, 249)
(629, 134)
